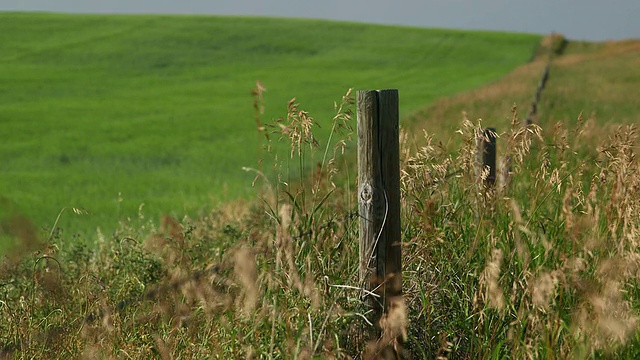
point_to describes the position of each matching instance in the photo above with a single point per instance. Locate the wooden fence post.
(379, 198)
(489, 156)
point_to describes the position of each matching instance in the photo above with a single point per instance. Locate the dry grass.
(545, 268)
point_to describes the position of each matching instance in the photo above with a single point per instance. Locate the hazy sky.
(577, 19)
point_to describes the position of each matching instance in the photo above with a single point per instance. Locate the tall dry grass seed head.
(394, 321)
(468, 156)
(544, 290)
(341, 126)
(298, 128)
(246, 272)
(494, 295)
(519, 141)
(393, 325)
(285, 248)
(605, 321)
(423, 167)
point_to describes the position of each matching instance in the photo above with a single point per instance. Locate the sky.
(594, 20)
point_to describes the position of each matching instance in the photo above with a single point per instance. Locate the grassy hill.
(107, 113)
(597, 80)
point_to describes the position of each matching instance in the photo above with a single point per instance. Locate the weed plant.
(544, 265)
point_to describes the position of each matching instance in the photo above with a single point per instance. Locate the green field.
(107, 113)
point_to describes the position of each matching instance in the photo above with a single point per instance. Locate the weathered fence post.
(379, 199)
(489, 156)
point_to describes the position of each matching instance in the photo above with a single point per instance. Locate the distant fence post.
(489, 156)
(379, 198)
